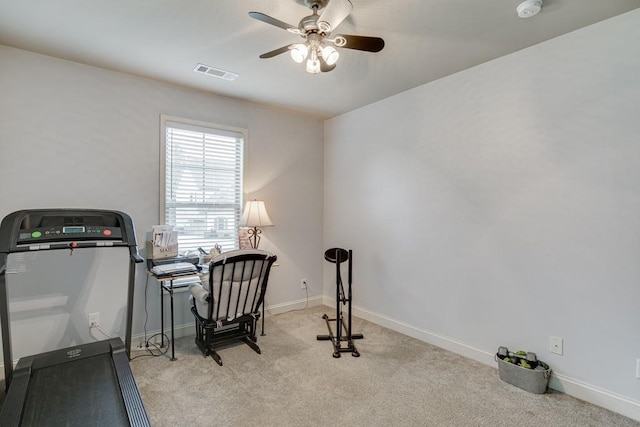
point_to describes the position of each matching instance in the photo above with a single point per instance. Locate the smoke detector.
(528, 8)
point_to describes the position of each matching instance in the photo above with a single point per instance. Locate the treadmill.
(87, 384)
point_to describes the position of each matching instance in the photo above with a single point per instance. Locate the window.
(201, 182)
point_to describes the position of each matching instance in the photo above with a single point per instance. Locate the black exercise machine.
(338, 256)
(87, 384)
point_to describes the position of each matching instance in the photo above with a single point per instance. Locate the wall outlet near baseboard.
(303, 284)
(555, 345)
(94, 319)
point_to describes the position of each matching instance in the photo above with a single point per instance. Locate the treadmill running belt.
(69, 394)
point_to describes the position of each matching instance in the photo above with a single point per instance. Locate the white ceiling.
(165, 39)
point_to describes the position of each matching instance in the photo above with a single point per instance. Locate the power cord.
(306, 303)
(146, 314)
(152, 348)
(149, 346)
(99, 329)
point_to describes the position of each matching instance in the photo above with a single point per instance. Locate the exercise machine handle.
(135, 255)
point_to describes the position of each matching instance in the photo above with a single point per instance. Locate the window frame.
(164, 119)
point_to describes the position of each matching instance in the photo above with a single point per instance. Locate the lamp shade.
(255, 215)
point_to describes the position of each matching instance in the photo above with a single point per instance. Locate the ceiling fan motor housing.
(315, 3)
(309, 24)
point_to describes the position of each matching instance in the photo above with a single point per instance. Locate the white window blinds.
(202, 192)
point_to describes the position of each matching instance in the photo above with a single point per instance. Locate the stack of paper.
(174, 269)
(164, 236)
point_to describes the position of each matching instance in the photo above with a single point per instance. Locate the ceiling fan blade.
(273, 21)
(369, 44)
(276, 52)
(333, 14)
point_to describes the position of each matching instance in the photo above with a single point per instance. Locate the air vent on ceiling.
(216, 72)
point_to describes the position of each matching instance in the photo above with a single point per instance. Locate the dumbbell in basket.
(530, 357)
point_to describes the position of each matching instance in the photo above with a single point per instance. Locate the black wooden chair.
(227, 307)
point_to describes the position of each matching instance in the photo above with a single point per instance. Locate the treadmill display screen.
(66, 230)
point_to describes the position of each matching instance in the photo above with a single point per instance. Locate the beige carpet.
(296, 382)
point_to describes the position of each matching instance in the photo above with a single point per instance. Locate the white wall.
(501, 206)
(494, 207)
(78, 136)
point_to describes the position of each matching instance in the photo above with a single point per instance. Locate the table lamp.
(255, 216)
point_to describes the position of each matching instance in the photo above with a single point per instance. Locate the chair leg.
(216, 357)
(200, 339)
(203, 348)
(205, 338)
(251, 328)
(253, 345)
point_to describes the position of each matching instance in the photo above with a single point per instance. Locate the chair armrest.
(199, 293)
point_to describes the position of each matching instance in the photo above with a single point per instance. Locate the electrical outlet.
(94, 319)
(303, 284)
(555, 345)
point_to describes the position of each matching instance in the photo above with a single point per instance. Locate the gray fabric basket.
(532, 380)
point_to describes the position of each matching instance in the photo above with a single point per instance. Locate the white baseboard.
(293, 305)
(596, 395)
(587, 392)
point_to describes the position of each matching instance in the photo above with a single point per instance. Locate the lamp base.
(254, 237)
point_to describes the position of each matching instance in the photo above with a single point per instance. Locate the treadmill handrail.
(135, 255)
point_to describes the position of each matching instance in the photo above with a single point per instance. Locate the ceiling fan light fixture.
(299, 52)
(318, 50)
(313, 63)
(330, 55)
(313, 66)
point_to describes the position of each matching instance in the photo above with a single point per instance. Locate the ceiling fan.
(318, 49)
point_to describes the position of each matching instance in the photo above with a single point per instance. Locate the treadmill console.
(74, 232)
(64, 228)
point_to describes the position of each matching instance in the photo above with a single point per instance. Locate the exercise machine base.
(89, 384)
(343, 344)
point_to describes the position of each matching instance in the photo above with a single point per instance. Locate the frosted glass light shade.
(330, 55)
(299, 53)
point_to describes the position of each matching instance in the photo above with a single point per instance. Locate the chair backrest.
(238, 282)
